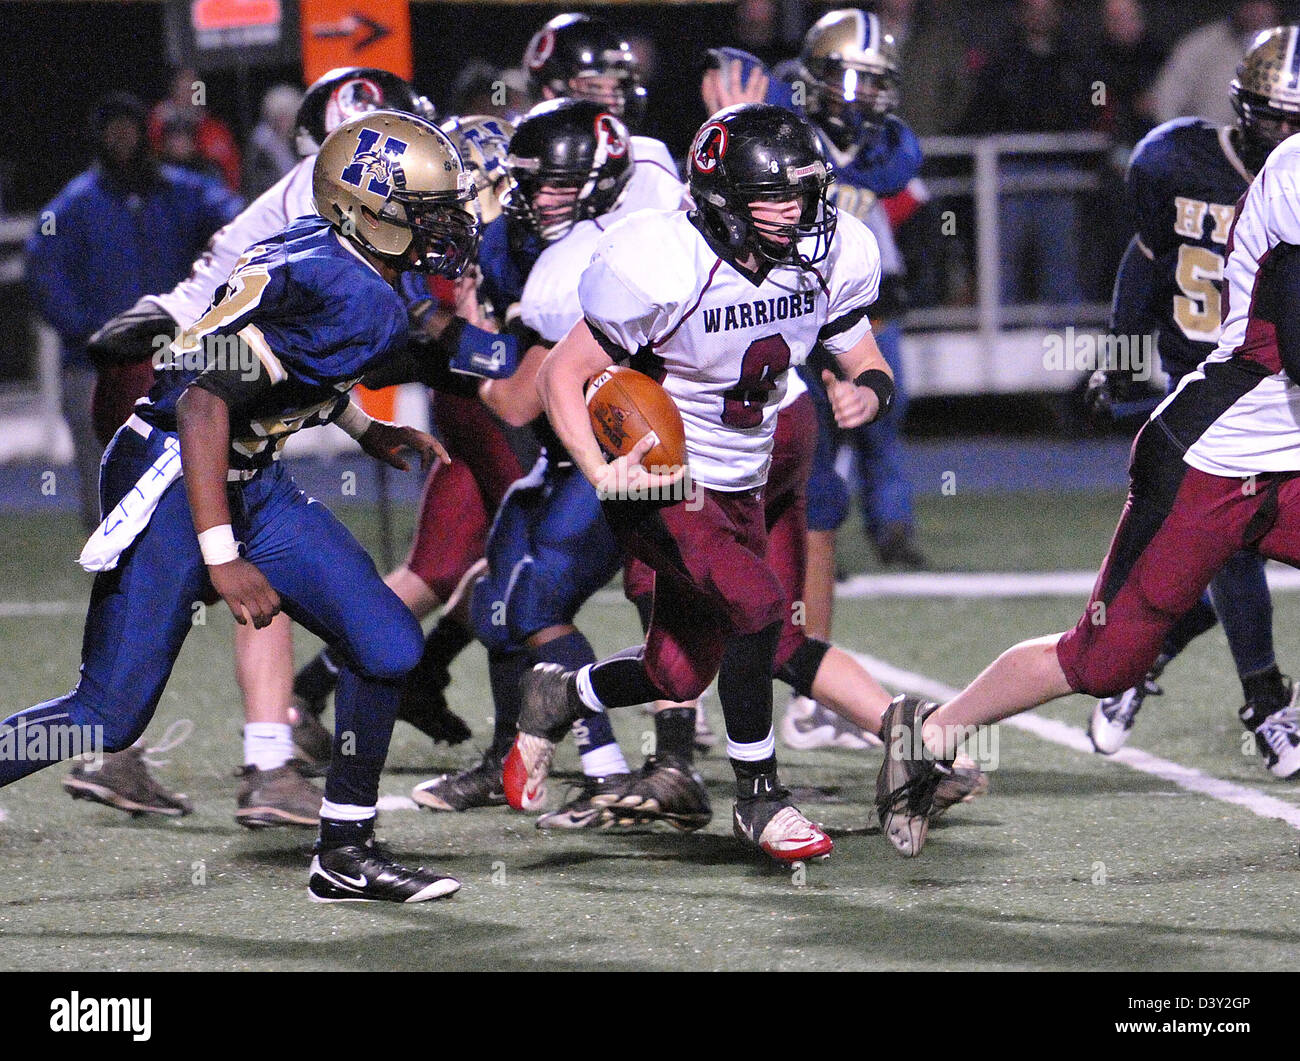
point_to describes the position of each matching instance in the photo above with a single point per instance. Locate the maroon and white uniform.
(1217, 468)
(720, 341)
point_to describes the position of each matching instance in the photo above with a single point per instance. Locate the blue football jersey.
(304, 317)
(1183, 184)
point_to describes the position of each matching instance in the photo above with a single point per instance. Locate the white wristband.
(218, 545)
(354, 420)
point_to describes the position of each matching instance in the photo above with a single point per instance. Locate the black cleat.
(479, 786)
(588, 806)
(425, 708)
(667, 789)
(361, 874)
(909, 776)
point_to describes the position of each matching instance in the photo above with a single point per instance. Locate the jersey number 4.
(763, 363)
(1197, 310)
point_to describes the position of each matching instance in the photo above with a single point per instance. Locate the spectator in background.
(1036, 81)
(270, 153)
(481, 88)
(1125, 56)
(125, 227)
(936, 84)
(1193, 82)
(185, 109)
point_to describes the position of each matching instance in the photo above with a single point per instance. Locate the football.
(624, 405)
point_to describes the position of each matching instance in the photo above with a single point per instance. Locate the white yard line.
(1185, 777)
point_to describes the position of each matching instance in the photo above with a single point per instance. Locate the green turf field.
(1071, 862)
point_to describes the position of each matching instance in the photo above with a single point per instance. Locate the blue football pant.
(141, 612)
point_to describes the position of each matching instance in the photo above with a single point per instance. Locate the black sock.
(621, 680)
(317, 680)
(335, 833)
(675, 733)
(505, 671)
(745, 685)
(1191, 625)
(1267, 689)
(445, 642)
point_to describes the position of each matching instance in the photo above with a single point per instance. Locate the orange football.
(624, 405)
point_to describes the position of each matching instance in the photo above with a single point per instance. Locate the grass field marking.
(29, 609)
(1049, 729)
(396, 803)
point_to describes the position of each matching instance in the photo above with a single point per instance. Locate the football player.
(317, 306)
(1215, 470)
(1183, 183)
(573, 172)
(484, 464)
(717, 303)
(273, 790)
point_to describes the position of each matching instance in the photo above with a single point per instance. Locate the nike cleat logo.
(345, 881)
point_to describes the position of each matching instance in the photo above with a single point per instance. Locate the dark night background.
(56, 58)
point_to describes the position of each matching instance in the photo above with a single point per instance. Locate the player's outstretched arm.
(515, 398)
(867, 388)
(203, 423)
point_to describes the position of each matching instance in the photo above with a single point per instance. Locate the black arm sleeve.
(1279, 303)
(239, 390)
(425, 360)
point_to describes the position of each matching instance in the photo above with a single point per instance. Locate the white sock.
(345, 812)
(603, 761)
(267, 744)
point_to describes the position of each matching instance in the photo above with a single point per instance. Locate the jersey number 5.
(1197, 310)
(764, 361)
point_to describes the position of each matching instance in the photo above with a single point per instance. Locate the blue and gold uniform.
(1183, 183)
(301, 319)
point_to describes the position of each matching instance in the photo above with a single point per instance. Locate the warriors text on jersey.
(1184, 181)
(657, 290)
(1239, 413)
(293, 376)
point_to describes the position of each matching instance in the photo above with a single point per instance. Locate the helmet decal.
(709, 148)
(609, 139)
(540, 49)
(352, 97)
(381, 165)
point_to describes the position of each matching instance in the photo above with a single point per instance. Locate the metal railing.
(985, 186)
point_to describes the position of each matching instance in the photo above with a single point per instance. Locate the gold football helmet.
(1266, 93)
(483, 143)
(394, 185)
(852, 68)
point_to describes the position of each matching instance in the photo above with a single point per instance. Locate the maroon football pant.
(460, 498)
(711, 582)
(1179, 527)
(785, 515)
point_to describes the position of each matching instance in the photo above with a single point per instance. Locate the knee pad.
(392, 655)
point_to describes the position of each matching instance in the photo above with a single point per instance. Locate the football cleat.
(122, 779)
(909, 776)
(765, 818)
(961, 786)
(588, 807)
(426, 709)
(666, 789)
(1277, 734)
(367, 873)
(479, 786)
(546, 713)
(282, 796)
(311, 739)
(1113, 717)
(807, 724)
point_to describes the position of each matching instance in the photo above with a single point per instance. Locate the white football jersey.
(286, 199)
(549, 304)
(720, 342)
(1251, 406)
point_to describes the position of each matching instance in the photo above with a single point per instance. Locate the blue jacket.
(96, 249)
